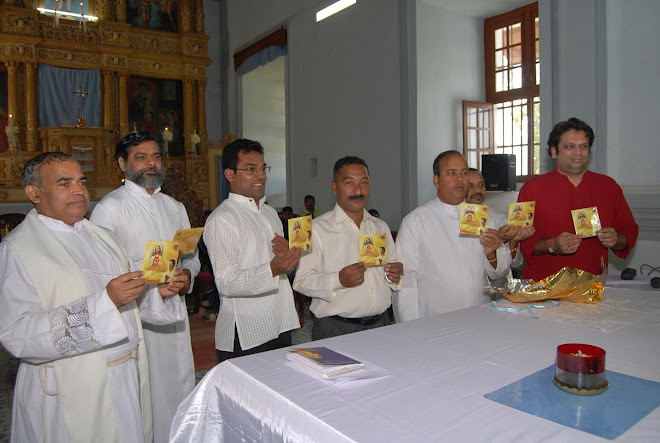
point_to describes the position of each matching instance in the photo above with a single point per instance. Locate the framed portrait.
(156, 104)
(4, 116)
(160, 15)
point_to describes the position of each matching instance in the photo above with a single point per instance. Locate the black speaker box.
(499, 171)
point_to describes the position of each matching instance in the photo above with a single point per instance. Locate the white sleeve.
(406, 301)
(30, 333)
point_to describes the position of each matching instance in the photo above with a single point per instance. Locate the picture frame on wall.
(160, 15)
(156, 104)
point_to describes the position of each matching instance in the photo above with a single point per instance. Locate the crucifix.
(81, 93)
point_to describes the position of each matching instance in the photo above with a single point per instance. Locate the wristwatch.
(551, 250)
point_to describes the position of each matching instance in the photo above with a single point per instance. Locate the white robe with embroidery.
(136, 217)
(39, 337)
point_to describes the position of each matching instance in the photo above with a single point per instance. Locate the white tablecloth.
(441, 367)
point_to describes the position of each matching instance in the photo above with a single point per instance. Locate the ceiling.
(479, 8)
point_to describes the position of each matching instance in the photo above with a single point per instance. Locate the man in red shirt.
(571, 186)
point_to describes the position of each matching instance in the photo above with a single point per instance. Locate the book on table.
(323, 361)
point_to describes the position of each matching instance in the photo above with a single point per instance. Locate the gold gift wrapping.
(567, 284)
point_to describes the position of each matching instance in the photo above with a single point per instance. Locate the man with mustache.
(251, 260)
(346, 295)
(138, 212)
(445, 271)
(67, 310)
(571, 186)
(476, 194)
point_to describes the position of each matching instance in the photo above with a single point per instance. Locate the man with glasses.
(251, 260)
(138, 212)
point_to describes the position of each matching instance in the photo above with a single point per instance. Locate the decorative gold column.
(108, 77)
(123, 104)
(188, 112)
(31, 106)
(104, 10)
(199, 16)
(201, 108)
(12, 88)
(120, 11)
(185, 15)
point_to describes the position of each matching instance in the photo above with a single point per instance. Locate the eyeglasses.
(251, 170)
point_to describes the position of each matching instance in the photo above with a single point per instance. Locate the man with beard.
(138, 212)
(571, 186)
(251, 260)
(445, 271)
(346, 295)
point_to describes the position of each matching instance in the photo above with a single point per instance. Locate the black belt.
(364, 321)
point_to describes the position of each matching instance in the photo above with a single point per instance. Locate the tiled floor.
(201, 333)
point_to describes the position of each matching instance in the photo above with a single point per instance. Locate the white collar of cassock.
(138, 190)
(453, 210)
(58, 225)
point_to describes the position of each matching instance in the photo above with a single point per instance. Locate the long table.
(441, 367)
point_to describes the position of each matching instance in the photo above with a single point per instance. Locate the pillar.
(31, 106)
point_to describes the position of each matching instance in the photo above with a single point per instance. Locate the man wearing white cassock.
(138, 212)
(68, 311)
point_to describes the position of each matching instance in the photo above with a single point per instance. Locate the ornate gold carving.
(70, 32)
(56, 55)
(114, 35)
(24, 23)
(120, 50)
(148, 67)
(23, 51)
(121, 10)
(151, 44)
(194, 47)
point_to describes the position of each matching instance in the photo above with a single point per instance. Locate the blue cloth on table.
(608, 415)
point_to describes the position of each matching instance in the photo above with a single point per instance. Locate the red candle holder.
(580, 369)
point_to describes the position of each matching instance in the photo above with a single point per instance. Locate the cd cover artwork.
(521, 214)
(373, 249)
(300, 232)
(586, 221)
(474, 219)
(159, 262)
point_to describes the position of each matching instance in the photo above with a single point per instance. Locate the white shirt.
(444, 271)
(25, 331)
(136, 217)
(238, 236)
(335, 245)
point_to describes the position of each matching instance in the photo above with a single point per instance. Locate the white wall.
(450, 68)
(214, 86)
(343, 92)
(264, 119)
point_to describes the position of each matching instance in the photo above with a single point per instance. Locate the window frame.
(526, 16)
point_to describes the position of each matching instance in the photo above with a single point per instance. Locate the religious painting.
(160, 15)
(156, 106)
(4, 145)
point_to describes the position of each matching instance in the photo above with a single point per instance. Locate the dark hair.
(574, 124)
(32, 169)
(345, 161)
(436, 162)
(287, 209)
(374, 212)
(310, 196)
(133, 139)
(230, 152)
